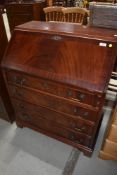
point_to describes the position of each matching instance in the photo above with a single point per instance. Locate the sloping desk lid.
(63, 52)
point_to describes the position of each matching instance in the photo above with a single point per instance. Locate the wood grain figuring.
(58, 77)
(58, 64)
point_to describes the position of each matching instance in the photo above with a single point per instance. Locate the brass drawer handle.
(81, 97)
(85, 114)
(75, 110)
(77, 128)
(25, 117)
(22, 81)
(82, 129)
(19, 81)
(73, 138)
(80, 141)
(69, 93)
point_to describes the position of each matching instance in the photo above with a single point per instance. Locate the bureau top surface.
(66, 53)
(71, 29)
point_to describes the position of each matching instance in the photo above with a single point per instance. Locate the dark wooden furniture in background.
(6, 110)
(57, 76)
(19, 13)
(2, 2)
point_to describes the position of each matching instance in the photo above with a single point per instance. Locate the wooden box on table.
(57, 75)
(103, 15)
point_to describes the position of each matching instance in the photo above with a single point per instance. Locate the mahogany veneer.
(57, 75)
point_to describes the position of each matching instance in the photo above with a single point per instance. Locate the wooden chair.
(54, 13)
(75, 15)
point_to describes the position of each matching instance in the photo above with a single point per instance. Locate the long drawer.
(53, 128)
(38, 98)
(75, 124)
(77, 95)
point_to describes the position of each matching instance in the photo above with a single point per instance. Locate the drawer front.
(55, 129)
(54, 88)
(73, 123)
(37, 98)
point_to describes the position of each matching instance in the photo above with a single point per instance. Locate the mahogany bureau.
(57, 75)
(6, 110)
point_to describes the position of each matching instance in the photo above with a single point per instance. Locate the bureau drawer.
(54, 88)
(53, 128)
(57, 104)
(75, 124)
